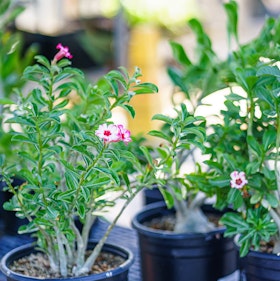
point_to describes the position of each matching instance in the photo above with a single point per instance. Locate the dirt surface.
(167, 222)
(37, 265)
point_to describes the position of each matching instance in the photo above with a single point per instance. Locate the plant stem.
(97, 249)
(82, 240)
(62, 255)
(251, 112)
(275, 217)
(82, 178)
(277, 156)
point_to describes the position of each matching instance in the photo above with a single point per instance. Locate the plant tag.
(235, 276)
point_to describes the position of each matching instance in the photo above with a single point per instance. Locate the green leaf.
(269, 139)
(145, 88)
(199, 132)
(81, 211)
(235, 197)
(130, 109)
(6, 101)
(38, 97)
(66, 196)
(27, 156)
(112, 174)
(147, 154)
(68, 85)
(272, 200)
(252, 167)
(163, 118)
(62, 104)
(254, 145)
(116, 75)
(61, 76)
(244, 248)
(234, 220)
(21, 120)
(43, 60)
(179, 54)
(101, 181)
(160, 134)
(29, 228)
(168, 198)
(269, 70)
(231, 9)
(221, 181)
(256, 198)
(2, 160)
(24, 138)
(72, 179)
(177, 78)
(64, 62)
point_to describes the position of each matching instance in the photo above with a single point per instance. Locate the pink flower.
(113, 133)
(108, 133)
(238, 179)
(63, 52)
(124, 134)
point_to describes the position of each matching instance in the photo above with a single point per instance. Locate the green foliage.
(69, 172)
(179, 135)
(12, 63)
(247, 136)
(251, 230)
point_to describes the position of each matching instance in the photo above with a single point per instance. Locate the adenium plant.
(252, 167)
(243, 169)
(74, 158)
(182, 134)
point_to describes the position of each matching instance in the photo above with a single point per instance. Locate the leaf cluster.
(247, 135)
(12, 63)
(179, 135)
(70, 174)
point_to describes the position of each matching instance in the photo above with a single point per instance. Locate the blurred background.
(105, 34)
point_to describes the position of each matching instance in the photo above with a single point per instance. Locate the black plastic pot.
(152, 195)
(259, 266)
(166, 256)
(117, 274)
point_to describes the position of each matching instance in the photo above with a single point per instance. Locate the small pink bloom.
(238, 179)
(108, 133)
(63, 52)
(124, 134)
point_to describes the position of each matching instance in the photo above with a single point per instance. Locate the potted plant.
(243, 147)
(183, 241)
(194, 246)
(74, 163)
(247, 163)
(243, 140)
(247, 166)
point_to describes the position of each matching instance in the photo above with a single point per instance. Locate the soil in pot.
(25, 263)
(37, 265)
(167, 221)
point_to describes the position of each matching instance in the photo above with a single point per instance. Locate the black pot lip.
(95, 277)
(142, 229)
(258, 254)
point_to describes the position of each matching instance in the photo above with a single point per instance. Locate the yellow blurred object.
(143, 52)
